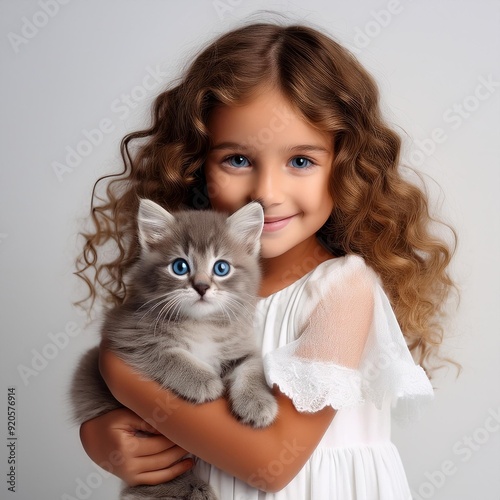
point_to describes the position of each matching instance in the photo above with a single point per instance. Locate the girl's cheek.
(226, 192)
(217, 182)
(226, 201)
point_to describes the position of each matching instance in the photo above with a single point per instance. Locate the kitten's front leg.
(189, 377)
(251, 399)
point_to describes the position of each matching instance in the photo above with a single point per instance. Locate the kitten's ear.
(247, 224)
(154, 223)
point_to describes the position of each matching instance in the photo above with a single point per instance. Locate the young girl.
(286, 116)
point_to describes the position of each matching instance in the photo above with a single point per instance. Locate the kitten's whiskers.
(170, 311)
(236, 306)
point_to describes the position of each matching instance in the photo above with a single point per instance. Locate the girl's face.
(264, 150)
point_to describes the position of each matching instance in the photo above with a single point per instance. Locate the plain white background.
(65, 72)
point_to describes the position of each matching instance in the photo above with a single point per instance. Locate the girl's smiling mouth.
(276, 223)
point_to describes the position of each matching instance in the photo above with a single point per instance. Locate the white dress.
(331, 338)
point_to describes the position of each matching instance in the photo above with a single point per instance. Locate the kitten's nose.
(201, 288)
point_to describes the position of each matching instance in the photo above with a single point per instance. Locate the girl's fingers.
(164, 475)
(162, 460)
(132, 422)
(143, 426)
(153, 445)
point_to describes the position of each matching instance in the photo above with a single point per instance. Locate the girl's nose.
(268, 185)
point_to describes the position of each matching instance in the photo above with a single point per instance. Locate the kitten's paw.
(204, 390)
(259, 410)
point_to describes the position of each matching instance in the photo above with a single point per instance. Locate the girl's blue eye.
(180, 267)
(238, 161)
(222, 268)
(301, 162)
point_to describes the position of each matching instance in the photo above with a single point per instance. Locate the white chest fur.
(206, 350)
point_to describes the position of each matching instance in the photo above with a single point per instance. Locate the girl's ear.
(154, 223)
(247, 224)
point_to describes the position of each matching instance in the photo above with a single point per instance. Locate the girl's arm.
(267, 459)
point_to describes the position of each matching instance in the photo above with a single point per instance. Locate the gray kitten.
(187, 323)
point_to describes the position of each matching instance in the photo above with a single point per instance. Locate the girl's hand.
(125, 445)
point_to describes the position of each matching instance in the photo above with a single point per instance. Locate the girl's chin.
(271, 253)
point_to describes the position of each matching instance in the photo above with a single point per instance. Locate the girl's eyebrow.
(247, 147)
(229, 145)
(314, 148)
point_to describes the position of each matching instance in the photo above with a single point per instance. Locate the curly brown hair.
(377, 213)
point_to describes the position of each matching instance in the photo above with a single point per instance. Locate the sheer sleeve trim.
(311, 373)
(312, 385)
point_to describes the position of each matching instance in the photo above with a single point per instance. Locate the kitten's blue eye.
(222, 268)
(300, 162)
(238, 161)
(180, 267)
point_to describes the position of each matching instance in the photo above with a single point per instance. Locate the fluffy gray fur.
(192, 332)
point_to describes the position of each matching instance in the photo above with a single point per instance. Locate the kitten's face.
(197, 281)
(199, 264)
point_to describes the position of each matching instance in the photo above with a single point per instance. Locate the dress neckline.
(301, 279)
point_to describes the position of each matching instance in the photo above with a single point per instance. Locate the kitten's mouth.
(276, 223)
(202, 300)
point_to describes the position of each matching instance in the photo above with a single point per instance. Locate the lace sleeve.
(350, 349)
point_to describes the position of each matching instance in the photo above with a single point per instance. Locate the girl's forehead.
(266, 118)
